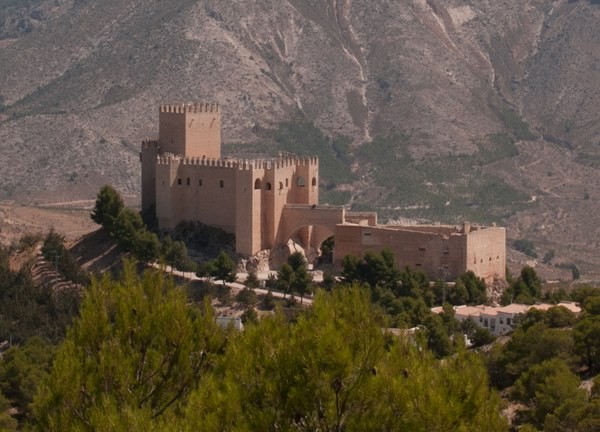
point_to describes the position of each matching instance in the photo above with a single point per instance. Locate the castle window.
(418, 265)
(314, 181)
(301, 182)
(280, 185)
(200, 182)
(446, 252)
(286, 182)
(269, 187)
(179, 181)
(422, 249)
(257, 184)
(367, 234)
(188, 181)
(221, 183)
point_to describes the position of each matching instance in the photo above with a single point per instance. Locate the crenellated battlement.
(183, 108)
(172, 159)
(242, 164)
(289, 160)
(283, 161)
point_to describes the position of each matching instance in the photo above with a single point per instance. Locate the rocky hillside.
(424, 109)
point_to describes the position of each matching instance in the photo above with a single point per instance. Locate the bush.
(482, 336)
(549, 256)
(268, 302)
(249, 316)
(525, 246)
(224, 295)
(247, 297)
(108, 206)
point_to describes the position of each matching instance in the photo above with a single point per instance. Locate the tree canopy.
(136, 352)
(108, 206)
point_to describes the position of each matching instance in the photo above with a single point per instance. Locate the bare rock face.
(257, 263)
(81, 82)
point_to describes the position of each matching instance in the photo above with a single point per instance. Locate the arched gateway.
(315, 223)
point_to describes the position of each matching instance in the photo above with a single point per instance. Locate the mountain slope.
(434, 105)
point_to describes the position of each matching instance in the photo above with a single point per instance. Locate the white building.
(501, 320)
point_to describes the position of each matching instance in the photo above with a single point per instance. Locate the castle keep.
(266, 202)
(184, 177)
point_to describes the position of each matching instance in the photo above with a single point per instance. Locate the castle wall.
(362, 218)
(439, 256)
(148, 160)
(249, 204)
(486, 252)
(196, 190)
(192, 130)
(277, 186)
(166, 174)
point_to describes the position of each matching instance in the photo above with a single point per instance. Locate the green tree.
(482, 336)
(549, 256)
(126, 227)
(474, 286)
(335, 370)
(268, 302)
(247, 297)
(560, 316)
(373, 269)
(175, 254)
(7, 422)
(302, 282)
(591, 305)
(22, 369)
(252, 280)
(28, 309)
(285, 279)
(134, 355)
(531, 345)
(108, 206)
(525, 246)
(545, 388)
(146, 246)
(438, 340)
(527, 288)
(587, 340)
(223, 268)
(296, 260)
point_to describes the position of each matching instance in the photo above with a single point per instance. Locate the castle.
(266, 202)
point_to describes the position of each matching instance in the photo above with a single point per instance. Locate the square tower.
(190, 130)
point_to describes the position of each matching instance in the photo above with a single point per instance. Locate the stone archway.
(306, 239)
(308, 225)
(297, 216)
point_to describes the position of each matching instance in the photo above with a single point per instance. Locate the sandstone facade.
(265, 202)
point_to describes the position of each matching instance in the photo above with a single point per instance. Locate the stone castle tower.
(265, 202)
(184, 177)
